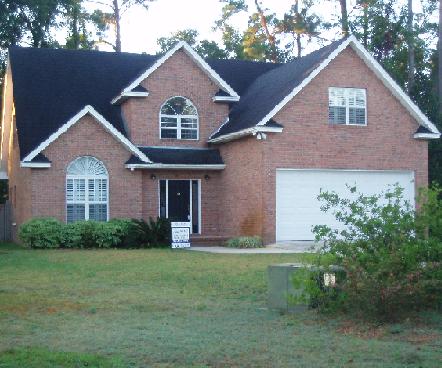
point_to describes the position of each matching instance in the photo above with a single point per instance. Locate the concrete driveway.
(277, 248)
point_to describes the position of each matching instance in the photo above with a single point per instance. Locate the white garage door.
(297, 207)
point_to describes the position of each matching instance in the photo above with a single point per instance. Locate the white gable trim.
(225, 98)
(371, 62)
(244, 132)
(108, 126)
(35, 165)
(129, 94)
(176, 166)
(214, 76)
(426, 136)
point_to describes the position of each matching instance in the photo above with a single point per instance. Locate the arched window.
(178, 119)
(87, 190)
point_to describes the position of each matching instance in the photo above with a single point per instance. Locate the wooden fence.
(5, 221)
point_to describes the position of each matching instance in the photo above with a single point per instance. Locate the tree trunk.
(75, 33)
(411, 61)
(344, 18)
(298, 36)
(365, 25)
(117, 26)
(439, 49)
(270, 37)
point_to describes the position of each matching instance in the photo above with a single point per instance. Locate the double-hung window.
(347, 106)
(178, 119)
(87, 191)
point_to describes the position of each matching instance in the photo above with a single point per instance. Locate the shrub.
(391, 269)
(154, 233)
(245, 242)
(91, 234)
(41, 233)
(120, 233)
(129, 233)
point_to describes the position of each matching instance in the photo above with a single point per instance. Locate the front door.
(179, 200)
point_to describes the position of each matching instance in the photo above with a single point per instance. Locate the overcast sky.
(141, 28)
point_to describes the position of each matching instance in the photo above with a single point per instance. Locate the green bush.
(391, 268)
(41, 233)
(92, 234)
(116, 233)
(154, 233)
(245, 242)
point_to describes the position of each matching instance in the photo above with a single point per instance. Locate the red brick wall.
(178, 76)
(87, 137)
(308, 141)
(19, 186)
(241, 187)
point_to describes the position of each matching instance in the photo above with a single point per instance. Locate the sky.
(141, 28)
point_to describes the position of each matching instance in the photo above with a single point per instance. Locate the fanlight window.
(87, 190)
(179, 119)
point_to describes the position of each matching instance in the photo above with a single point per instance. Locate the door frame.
(190, 200)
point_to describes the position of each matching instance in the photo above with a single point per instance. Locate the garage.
(297, 207)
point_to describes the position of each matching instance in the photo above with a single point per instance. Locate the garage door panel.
(297, 207)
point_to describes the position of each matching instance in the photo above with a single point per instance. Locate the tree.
(300, 24)
(439, 48)
(207, 49)
(344, 18)
(410, 44)
(77, 20)
(112, 17)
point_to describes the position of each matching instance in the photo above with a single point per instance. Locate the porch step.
(207, 241)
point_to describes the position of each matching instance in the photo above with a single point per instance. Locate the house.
(234, 147)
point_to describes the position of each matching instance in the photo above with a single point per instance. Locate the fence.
(5, 221)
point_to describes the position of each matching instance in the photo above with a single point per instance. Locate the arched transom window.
(179, 119)
(87, 190)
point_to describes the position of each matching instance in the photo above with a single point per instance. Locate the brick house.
(234, 147)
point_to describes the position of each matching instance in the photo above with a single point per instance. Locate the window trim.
(347, 107)
(86, 201)
(179, 117)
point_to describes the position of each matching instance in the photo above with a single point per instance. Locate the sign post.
(180, 235)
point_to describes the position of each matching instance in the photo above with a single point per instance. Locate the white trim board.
(212, 74)
(244, 132)
(176, 166)
(108, 126)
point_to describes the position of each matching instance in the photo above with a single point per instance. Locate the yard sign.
(180, 235)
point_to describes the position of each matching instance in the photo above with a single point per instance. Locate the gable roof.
(271, 91)
(51, 86)
(36, 153)
(205, 67)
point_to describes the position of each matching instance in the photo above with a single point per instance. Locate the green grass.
(164, 308)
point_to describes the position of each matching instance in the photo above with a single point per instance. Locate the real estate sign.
(180, 234)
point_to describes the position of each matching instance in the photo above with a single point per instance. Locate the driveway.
(277, 248)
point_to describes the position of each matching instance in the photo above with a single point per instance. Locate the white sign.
(180, 234)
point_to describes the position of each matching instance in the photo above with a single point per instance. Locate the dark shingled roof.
(423, 129)
(179, 156)
(51, 86)
(271, 88)
(41, 159)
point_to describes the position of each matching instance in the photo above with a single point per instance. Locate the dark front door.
(179, 200)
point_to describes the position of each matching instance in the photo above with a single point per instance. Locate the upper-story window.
(347, 106)
(179, 119)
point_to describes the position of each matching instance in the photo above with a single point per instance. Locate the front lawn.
(164, 308)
